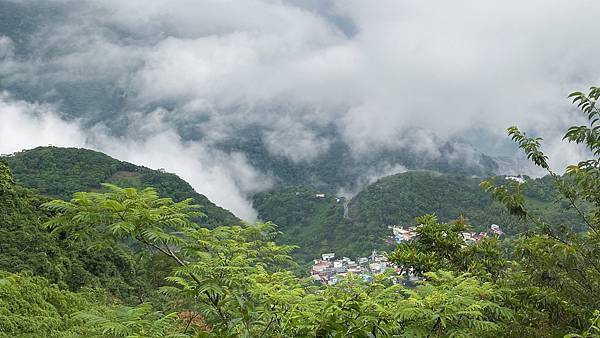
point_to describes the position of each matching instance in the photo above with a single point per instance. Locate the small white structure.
(518, 179)
(328, 256)
(495, 229)
(320, 195)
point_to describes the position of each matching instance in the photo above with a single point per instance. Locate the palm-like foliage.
(123, 213)
(454, 306)
(444, 306)
(132, 322)
(226, 265)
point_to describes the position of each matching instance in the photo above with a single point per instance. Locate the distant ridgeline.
(317, 224)
(59, 172)
(339, 168)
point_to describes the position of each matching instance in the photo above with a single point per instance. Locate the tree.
(445, 305)
(561, 263)
(133, 322)
(32, 307)
(442, 246)
(235, 279)
(217, 268)
(119, 214)
(6, 178)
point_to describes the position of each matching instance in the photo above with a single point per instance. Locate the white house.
(328, 256)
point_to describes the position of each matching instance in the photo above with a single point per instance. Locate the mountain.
(309, 216)
(399, 199)
(315, 222)
(59, 172)
(339, 167)
(26, 246)
(320, 224)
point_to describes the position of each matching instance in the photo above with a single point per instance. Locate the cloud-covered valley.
(174, 84)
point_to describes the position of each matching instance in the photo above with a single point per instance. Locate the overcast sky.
(125, 76)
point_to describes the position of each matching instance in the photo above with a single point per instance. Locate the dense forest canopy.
(321, 224)
(315, 225)
(113, 261)
(60, 172)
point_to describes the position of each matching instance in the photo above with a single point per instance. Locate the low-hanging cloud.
(26, 125)
(226, 178)
(192, 75)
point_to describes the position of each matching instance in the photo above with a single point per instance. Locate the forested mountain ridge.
(315, 224)
(399, 199)
(59, 172)
(340, 168)
(319, 224)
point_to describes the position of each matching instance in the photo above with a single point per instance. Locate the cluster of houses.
(473, 237)
(401, 234)
(329, 270)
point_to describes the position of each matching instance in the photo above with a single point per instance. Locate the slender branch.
(190, 322)
(574, 205)
(557, 238)
(168, 253)
(150, 244)
(582, 215)
(215, 303)
(267, 327)
(182, 263)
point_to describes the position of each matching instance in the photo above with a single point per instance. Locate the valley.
(316, 222)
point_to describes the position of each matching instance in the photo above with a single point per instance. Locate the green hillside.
(26, 246)
(399, 199)
(318, 225)
(59, 172)
(315, 224)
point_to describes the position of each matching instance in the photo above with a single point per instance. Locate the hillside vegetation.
(26, 246)
(399, 199)
(127, 262)
(59, 172)
(318, 225)
(315, 224)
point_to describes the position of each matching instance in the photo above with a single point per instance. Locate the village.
(406, 234)
(329, 270)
